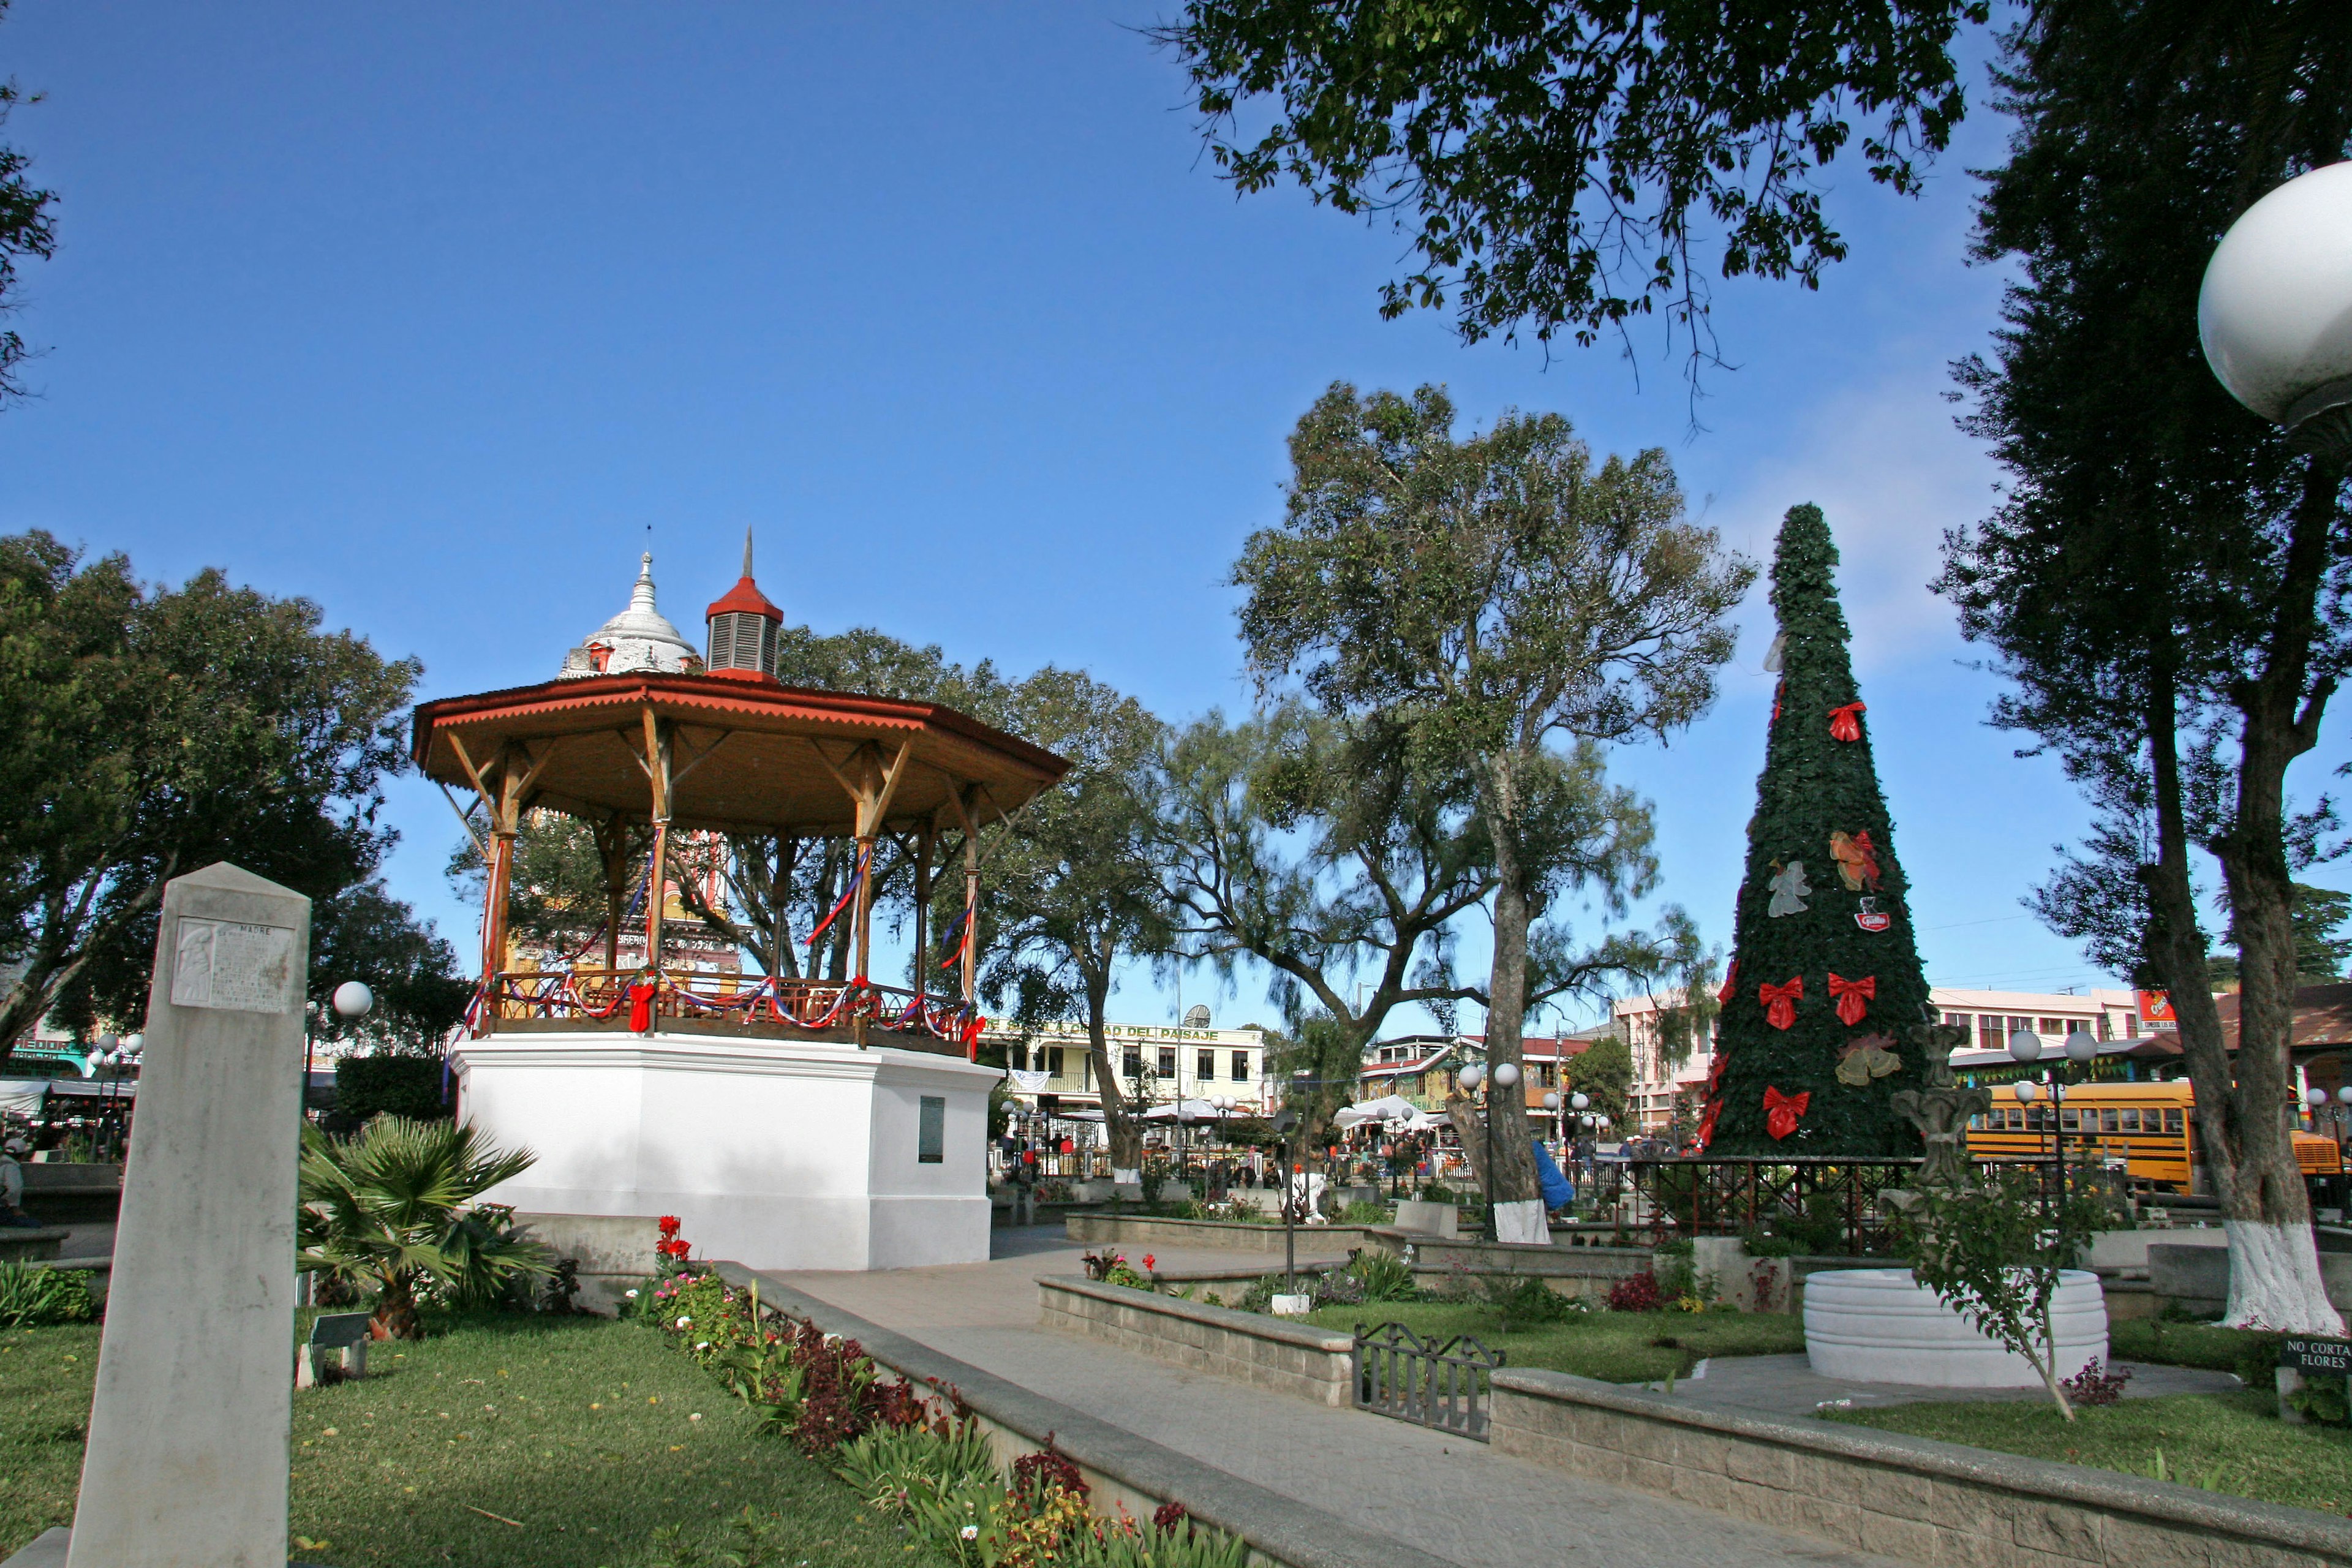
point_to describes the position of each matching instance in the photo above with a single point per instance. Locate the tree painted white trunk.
(1126, 1178)
(2275, 1279)
(1522, 1221)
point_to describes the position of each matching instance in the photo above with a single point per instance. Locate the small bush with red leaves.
(1637, 1293)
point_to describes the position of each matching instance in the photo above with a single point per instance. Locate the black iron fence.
(1825, 1205)
(1447, 1384)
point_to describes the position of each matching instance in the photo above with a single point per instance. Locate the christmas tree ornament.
(1866, 1058)
(1782, 1111)
(1857, 859)
(1730, 986)
(1787, 884)
(1773, 654)
(1814, 785)
(1781, 1001)
(1851, 996)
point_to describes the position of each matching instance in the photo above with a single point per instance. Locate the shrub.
(1361, 1213)
(2097, 1386)
(1637, 1293)
(34, 1298)
(1383, 1276)
(1524, 1299)
(368, 1087)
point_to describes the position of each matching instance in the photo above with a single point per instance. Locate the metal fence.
(1826, 1203)
(1447, 1384)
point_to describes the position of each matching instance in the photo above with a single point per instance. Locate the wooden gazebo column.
(657, 766)
(871, 786)
(504, 786)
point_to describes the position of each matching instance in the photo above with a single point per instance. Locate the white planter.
(1293, 1306)
(1879, 1325)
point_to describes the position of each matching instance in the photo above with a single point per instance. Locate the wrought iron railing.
(1826, 1203)
(637, 999)
(1448, 1384)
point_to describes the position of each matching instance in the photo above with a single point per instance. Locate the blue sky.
(428, 312)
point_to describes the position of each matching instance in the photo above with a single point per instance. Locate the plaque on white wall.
(231, 965)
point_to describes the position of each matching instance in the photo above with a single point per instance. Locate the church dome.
(639, 638)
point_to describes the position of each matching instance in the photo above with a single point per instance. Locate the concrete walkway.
(1452, 1499)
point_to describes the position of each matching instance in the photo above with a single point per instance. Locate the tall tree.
(1825, 977)
(1491, 601)
(1290, 841)
(28, 227)
(2165, 580)
(1072, 892)
(1557, 161)
(154, 730)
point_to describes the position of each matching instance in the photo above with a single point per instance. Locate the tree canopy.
(27, 228)
(1557, 161)
(154, 730)
(1494, 609)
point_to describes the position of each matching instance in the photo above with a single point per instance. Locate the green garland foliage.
(1814, 785)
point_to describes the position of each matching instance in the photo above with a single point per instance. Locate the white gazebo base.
(1879, 1325)
(773, 1154)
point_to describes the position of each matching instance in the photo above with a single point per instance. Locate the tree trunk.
(1120, 1132)
(1515, 1180)
(395, 1317)
(2275, 1279)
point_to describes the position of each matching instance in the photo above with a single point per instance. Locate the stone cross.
(186, 1462)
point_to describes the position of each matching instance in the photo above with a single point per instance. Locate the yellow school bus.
(2147, 1125)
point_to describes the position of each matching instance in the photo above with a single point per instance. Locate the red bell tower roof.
(744, 597)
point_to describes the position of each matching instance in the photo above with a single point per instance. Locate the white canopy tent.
(1392, 1108)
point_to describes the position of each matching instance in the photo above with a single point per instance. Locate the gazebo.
(790, 1122)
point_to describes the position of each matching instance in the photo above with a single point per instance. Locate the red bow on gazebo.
(1845, 723)
(1851, 996)
(1781, 1001)
(1781, 1111)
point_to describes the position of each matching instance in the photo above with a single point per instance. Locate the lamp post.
(351, 1000)
(1505, 1077)
(2271, 312)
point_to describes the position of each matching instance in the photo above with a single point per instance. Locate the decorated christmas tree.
(1824, 984)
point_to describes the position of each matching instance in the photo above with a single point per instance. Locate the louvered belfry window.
(739, 640)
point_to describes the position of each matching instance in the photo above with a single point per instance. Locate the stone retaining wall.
(1287, 1358)
(1098, 1229)
(1937, 1504)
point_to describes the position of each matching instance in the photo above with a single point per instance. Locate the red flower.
(668, 1224)
(1781, 1111)
(1851, 996)
(1147, 1261)
(1781, 1001)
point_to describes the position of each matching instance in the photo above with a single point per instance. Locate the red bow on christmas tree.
(1730, 986)
(1783, 1110)
(1851, 996)
(1781, 1001)
(1845, 723)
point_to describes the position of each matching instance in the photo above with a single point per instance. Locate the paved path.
(1447, 1497)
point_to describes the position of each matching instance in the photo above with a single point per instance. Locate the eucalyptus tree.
(1071, 893)
(2165, 579)
(1500, 607)
(1556, 162)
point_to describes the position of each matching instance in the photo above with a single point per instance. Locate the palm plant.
(392, 1208)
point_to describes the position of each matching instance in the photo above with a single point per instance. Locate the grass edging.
(1740, 1444)
(1124, 1466)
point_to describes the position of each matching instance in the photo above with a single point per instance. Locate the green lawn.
(581, 1432)
(2230, 1442)
(1615, 1347)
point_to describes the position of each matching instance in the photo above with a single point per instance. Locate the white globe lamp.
(2274, 313)
(1472, 1077)
(2081, 1047)
(1582, 1102)
(353, 999)
(1552, 1101)
(2025, 1046)
(2315, 1097)
(1507, 1075)
(2026, 1092)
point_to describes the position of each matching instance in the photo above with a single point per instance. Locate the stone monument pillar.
(186, 1462)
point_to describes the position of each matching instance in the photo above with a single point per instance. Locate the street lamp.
(1505, 1075)
(2275, 311)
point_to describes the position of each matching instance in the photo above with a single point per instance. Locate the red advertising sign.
(2156, 1008)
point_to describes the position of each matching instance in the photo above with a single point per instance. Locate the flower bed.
(913, 1452)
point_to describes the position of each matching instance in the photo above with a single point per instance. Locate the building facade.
(1052, 1070)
